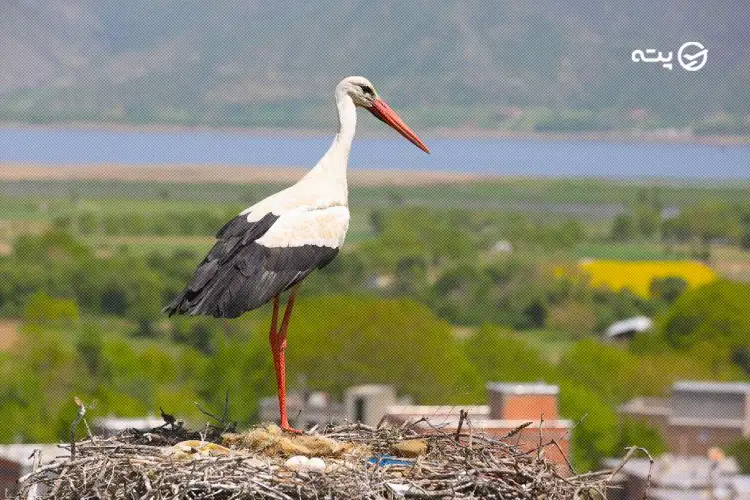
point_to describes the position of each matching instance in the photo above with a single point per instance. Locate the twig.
(225, 415)
(79, 416)
(565, 456)
(382, 420)
(208, 413)
(515, 431)
(462, 414)
(540, 448)
(169, 420)
(632, 450)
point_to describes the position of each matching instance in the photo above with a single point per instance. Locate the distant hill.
(543, 65)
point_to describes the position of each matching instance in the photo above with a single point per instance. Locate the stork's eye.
(368, 90)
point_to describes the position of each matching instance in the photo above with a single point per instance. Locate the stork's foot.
(288, 428)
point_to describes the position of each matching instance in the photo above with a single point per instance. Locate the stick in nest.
(73, 426)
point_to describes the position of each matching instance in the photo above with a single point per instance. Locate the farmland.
(638, 275)
(443, 273)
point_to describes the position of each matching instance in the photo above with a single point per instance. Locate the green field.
(35, 205)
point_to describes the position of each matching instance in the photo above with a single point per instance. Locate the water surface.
(502, 156)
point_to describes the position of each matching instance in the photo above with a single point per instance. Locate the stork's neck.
(332, 166)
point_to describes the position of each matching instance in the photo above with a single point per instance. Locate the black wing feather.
(239, 274)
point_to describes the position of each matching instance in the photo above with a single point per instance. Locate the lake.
(498, 156)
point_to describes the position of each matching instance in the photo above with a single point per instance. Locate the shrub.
(715, 313)
(41, 308)
(740, 450)
(501, 355)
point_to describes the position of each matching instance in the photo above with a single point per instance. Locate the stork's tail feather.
(176, 306)
(227, 295)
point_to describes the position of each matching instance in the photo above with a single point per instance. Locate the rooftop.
(23, 453)
(711, 386)
(723, 423)
(681, 472)
(523, 388)
(649, 405)
(636, 324)
(370, 389)
(431, 411)
(118, 424)
(487, 424)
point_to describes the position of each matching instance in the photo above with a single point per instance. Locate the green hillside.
(517, 66)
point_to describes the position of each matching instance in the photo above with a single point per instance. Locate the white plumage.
(320, 227)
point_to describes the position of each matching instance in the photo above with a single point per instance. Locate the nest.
(353, 461)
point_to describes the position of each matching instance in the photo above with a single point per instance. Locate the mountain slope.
(258, 62)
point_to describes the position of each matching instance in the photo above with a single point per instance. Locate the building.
(697, 416)
(369, 403)
(111, 426)
(305, 409)
(17, 460)
(366, 403)
(510, 405)
(10, 471)
(679, 478)
(628, 328)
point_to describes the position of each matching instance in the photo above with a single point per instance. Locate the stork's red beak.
(384, 112)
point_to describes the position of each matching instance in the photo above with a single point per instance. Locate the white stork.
(275, 244)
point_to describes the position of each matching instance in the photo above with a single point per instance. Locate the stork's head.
(364, 95)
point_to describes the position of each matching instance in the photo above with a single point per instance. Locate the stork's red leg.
(278, 347)
(273, 334)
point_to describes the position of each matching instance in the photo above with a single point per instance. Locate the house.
(10, 471)
(369, 403)
(366, 403)
(17, 460)
(697, 416)
(510, 406)
(502, 246)
(674, 477)
(305, 409)
(628, 328)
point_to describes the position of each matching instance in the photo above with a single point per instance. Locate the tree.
(740, 450)
(90, 345)
(667, 289)
(131, 289)
(42, 308)
(703, 223)
(715, 313)
(338, 341)
(501, 355)
(623, 228)
(638, 433)
(646, 220)
(200, 333)
(510, 292)
(242, 370)
(595, 435)
(617, 375)
(52, 245)
(575, 318)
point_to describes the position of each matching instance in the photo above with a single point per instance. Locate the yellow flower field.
(637, 275)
